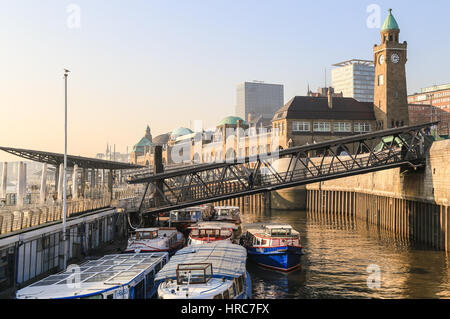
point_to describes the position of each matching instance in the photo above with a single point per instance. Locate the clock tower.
(390, 95)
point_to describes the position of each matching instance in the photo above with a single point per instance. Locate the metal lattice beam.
(307, 164)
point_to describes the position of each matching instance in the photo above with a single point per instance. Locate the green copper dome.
(390, 23)
(231, 120)
(140, 146)
(181, 131)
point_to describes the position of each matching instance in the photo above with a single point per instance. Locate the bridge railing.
(19, 218)
(231, 184)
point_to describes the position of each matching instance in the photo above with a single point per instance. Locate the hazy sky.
(164, 63)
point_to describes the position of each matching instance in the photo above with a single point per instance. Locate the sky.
(165, 63)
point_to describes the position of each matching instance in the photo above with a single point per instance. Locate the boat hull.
(284, 258)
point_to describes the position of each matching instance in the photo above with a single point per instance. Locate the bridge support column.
(20, 184)
(4, 179)
(102, 179)
(43, 191)
(110, 183)
(75, 182)
(60, 182)
(83, 182)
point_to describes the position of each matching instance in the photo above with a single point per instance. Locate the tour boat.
(208, 232)
(121, 276)
(183, 218)
(213, 271)
(155, 239)
(273, 246)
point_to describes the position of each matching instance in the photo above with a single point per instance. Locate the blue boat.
(273, 246)
(120, 276)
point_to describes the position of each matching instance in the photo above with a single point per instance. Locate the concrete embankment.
(413, 204)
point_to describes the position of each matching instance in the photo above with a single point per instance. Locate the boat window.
(110, 296)
(139, 290)
(237, 285)
(219, 296)
(226, 294)
(264, 242)
(232, 291)
(241, 283)
(100, 296)
(149, 283)
(158, 267)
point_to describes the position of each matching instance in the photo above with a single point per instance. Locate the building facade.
(437, 96)
(355, 79)
(258, 99)
(308, 120)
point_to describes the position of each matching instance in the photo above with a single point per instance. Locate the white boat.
(155, 239)
(122, 276)
(213, 271)
(208, 232)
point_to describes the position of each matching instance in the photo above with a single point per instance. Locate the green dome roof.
(390, 23)
(231, 120)
(180, 132)
(139, 147)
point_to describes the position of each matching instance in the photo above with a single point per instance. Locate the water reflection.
(338, 251)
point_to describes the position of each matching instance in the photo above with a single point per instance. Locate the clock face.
(381, 59)
(395, 58)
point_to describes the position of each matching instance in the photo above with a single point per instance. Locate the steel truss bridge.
(357, 154)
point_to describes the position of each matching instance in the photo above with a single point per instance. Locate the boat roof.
(189, 209)
(227, 259)
(214, 225)
(226, 207)
(147, 229)
(261, 227)
(96, 276)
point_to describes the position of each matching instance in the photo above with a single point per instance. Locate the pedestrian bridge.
(358, 154)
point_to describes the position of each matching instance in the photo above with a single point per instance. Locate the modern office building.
(259, 99)
(354, 78)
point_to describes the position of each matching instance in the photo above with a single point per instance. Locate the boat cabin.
(189, 215)
(226, 213)
(199, 273)
(278, 230)
(146, 233)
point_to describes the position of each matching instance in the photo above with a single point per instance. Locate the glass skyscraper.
(355, 79)
(259, 98)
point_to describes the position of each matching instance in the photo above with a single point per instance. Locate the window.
(241, 283)
(301, 127)
(381, 80)
(342, 127)
(219, 296)
(361, 127)
(322, 127)
(232, 291)
(226, 294)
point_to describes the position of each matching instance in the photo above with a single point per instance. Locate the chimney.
(330, 98)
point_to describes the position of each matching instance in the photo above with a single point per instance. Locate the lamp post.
(66, 73)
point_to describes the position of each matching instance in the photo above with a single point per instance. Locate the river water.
(336, 260)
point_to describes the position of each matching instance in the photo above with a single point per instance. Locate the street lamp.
(66, 73)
